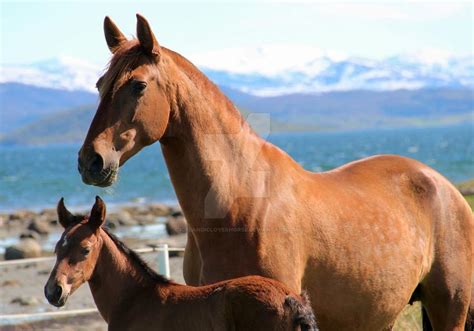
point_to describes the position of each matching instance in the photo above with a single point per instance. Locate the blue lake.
(36, 177)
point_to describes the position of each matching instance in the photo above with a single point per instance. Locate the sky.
(39, 30)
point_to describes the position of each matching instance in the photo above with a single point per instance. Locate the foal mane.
(137, 259)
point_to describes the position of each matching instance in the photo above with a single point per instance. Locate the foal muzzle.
(55, 294)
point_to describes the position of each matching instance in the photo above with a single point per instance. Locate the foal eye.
(138, 86)
(85, 250)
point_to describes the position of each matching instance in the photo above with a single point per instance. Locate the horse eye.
(138, 86)
(85, 250)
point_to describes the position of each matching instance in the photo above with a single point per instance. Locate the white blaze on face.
(64, 244)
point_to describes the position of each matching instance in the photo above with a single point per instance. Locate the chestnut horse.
(131, 296)
(363, 239)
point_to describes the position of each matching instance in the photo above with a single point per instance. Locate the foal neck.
(119, 275)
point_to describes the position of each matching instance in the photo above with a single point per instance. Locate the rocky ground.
(26, 234)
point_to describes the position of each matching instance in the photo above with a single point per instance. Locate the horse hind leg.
(446, 303)
(425, 321)
(446, 290)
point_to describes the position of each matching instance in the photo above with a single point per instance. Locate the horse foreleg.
(192, 262)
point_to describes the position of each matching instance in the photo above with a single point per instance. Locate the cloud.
(413, 10)
(399, 11)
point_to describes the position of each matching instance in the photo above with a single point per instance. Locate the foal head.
(133, 111)
(77, 252)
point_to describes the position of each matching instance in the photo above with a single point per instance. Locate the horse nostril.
(97, 164)
(55, 294)
(58, 291)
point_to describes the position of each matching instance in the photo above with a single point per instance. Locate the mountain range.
(278, 70)
(333, 111)
(54, 100)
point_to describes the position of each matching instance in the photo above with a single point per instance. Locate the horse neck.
(210, 150)
(115, 278)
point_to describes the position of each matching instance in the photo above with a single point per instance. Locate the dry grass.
(409, 319)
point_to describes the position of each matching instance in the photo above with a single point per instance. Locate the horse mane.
(137, 259)
(198, 77)
(129, 54)
(120, 65)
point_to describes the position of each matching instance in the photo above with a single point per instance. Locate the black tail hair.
(302, 313)
(470, 318)
(425, 321)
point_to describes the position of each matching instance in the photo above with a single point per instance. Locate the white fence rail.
(16, 318)
(163, 269)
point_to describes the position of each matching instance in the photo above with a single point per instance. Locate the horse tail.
(470, 314)
(301, 314)
(425, 321)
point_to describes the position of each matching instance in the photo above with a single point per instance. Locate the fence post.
(163, 260)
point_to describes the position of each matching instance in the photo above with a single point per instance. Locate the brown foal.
(131, 296)
(363, 239)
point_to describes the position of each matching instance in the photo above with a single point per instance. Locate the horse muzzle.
(94, 171)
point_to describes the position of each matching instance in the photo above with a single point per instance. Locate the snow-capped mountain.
(278, 70)
(63, 73)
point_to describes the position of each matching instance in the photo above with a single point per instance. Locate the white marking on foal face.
(64, 242)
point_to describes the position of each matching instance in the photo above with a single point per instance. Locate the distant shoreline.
(111, 206)
(280, 132)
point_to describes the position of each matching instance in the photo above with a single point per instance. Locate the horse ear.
(146, 37)
(97, 217)
(65, 218)
(113, 35)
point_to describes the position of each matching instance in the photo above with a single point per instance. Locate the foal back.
(246, 303)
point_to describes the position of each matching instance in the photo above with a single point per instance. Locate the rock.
(111, 224)
(176, 211)
(21, 215)
(26, 248)
(25, 300)
(49, 213)
(10, 282)
(39, 225)
(30, 234)
(176, 225)
(136, 210)
(122, 217)
(159, 209)
(145, 219)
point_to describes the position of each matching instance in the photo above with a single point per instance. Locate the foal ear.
(146, 37)
(65, 218)
(97, 217)
(113, 36)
